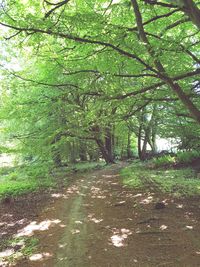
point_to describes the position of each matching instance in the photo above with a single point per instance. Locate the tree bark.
(82, 152)
(107, 157)
(72, 152)
(194, 111)
(55, 151)
(140, 142)
(102, 145)
(129, 154)
(108, 141)
(191, 10)
(144, 147)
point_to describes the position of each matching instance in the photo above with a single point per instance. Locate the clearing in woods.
(98, 221)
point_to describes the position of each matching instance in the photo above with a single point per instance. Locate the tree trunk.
(82, 152)
(72, 153)
(184, 99)
(55, 151)
(140, 142)
(129, 154)
(191, 10)
(108, 142)
(57, 159)
(113, 142)
(144, 147)
(107, 157)
(194, 111)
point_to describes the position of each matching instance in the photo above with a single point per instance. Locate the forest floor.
(99, 222)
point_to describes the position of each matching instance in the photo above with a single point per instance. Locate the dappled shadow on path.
(34, 226)
(100, 222)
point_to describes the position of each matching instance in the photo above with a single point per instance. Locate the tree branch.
(81, 40)
(58, 5)
(40, 82)
(154, 86)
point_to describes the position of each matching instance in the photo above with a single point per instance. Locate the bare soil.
(99, 222)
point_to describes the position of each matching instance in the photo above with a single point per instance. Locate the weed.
(20, 247)
(182, 182)
(163, 161)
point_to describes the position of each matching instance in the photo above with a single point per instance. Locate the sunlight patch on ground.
(87, 205)
(62, 245)
(127, 195)
(179, 206)
(63, 225)
(75, 231)
(97, 193)
(189, 227)
(40, 256)
(78, 222)
(147, 200)
(4, 255)
(163, 227)
(95, 190)
(7, 253)
(58, 195)
(91, 218)
(3, 263)
(100, 197)
(119, 237)
(63, 259)
(34, 226)
(71, 190)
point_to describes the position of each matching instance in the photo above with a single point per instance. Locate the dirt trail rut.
(98, 222)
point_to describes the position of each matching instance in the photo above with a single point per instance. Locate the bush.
(187, 156)
(163, 161)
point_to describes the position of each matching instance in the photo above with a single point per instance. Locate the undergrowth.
(180, 182)
(182, 157)
(19, 247)
(15, 181)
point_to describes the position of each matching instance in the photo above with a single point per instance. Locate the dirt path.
(98, 222)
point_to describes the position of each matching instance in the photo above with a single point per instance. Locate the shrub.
(163, 161)
(187, 156)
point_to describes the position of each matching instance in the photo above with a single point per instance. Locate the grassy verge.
(181, 182)
(86, 166)
(23, 180)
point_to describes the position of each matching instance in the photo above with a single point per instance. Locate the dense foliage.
(83, 80)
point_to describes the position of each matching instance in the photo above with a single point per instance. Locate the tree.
(91, 73)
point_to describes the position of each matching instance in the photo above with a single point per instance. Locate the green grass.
(25, 179)
(19, 187)
(131, 177)
(164, 161)
(181, 182)
(182, 157)
(86, 166)
(23, 247)
(21, 180)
